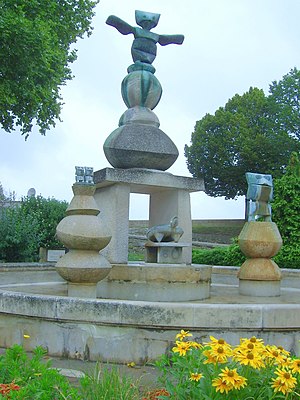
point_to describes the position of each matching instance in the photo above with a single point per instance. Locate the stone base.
(259, 288)
(164, 253)
(83, 291)
(155, 282)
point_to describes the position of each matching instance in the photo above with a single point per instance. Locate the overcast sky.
(229, 46)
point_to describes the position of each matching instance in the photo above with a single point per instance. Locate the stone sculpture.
(259, 196)
(165, 233)
(259, 240)
(138, 142)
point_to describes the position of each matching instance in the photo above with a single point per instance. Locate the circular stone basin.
(122, 331)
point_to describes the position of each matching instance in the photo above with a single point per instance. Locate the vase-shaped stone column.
(259, 275)
(83, 233)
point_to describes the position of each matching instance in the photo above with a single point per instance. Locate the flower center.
(250, 346)
(221, 341)
(253, 339)
(275, 353)
(287, 375)
(250, 356)
(220, 350)
(231, 374)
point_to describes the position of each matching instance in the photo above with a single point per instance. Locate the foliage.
(35, 54)
(25, 228)
(33, 376)
(216, 370)
(19, 235)
(224, 256)
(106, 384)
(48, 213)
(252, 132)
(286, 214)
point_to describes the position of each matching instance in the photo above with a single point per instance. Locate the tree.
(286, 213)
(35, 54)
(242, 136)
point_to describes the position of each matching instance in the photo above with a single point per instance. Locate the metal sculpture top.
(259, 196)
(143, 48)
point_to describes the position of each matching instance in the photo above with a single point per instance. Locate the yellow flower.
(280, 386)
(230, 376)
(218, 342)
(195, 376)
(295, 365)
(286, 377)
(251, 358)
(221, 385)
(215, 355)
(181, 348)
(131, 364)
(183, 334)
(195, 345)
(277, 354)
(26, 336)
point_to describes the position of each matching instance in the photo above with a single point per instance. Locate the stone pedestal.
(169, 197)
(84, 234)
(151, 282)
(164, 252)
(259, 275)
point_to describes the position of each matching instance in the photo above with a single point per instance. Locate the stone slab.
(146, 181)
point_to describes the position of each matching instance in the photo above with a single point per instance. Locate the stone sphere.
(141, 88)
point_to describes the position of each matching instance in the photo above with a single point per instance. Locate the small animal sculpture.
(259, 196)
(165, 233)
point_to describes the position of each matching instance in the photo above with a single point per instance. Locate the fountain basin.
(33, 302)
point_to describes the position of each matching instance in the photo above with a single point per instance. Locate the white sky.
(229, 46)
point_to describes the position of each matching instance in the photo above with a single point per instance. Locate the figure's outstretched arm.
(122, 26)
(169, 39)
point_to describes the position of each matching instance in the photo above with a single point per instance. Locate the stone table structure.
(169, 196)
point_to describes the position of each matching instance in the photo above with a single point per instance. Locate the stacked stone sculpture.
(83, 234)
(259, 240)
(138, 142)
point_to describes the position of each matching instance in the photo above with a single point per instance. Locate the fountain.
(101, 307)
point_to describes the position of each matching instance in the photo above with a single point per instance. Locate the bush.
(25, 228)
(19, 236)
(224, 256)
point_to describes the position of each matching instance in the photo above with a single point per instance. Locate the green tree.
(286, 205)
(242, 136)
(35, 54)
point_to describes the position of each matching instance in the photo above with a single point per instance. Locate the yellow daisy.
(230, 376)
(295, 365)
(181, 348)
(286, 377)
(221, 385)
(183, 334)
(195, 376)
(251, 358)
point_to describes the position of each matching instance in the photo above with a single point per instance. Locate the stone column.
(259, 275)
(84, 234)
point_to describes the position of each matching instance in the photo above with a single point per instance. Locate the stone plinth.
(259, 275)
(153, 282)
(164, 253)
(169, 197)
